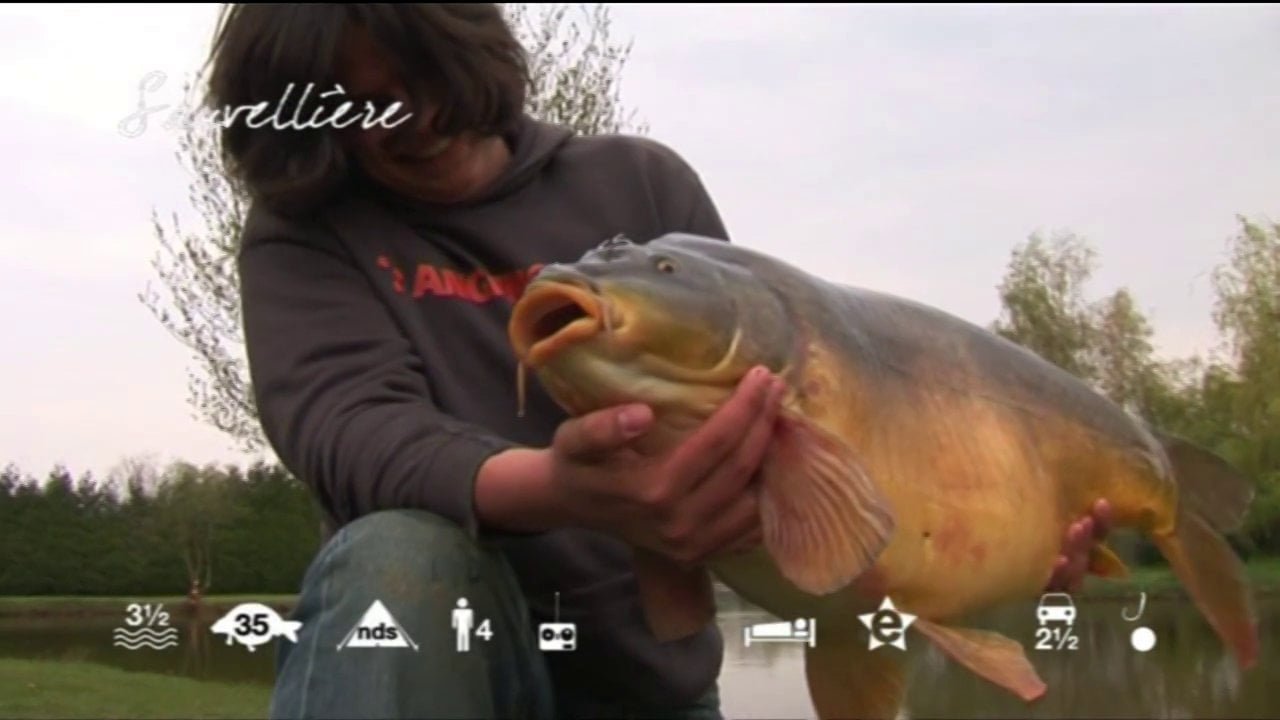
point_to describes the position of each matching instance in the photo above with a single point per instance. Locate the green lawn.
(42, 689)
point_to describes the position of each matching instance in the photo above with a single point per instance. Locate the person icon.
(463, 618)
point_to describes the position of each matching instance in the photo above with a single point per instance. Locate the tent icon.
(377, 628)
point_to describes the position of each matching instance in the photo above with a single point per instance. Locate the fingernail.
(633, 420)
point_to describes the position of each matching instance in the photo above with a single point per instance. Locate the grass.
(45, 689)
(1263, 575)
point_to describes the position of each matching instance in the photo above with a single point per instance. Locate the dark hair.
(463, 55)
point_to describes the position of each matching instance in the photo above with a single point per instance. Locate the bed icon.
(800, 630)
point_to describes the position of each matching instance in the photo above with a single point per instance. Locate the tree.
(1042, 296)
(575, 82)
(1120, 353)
(1247, 312)
(193, 506)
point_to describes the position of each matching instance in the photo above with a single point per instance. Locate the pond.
(1186, 674)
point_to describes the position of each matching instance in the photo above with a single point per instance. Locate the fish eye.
(665, 265)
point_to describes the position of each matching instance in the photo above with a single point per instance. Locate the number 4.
(484, 631)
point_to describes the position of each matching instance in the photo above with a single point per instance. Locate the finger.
(603, 431)
(1084, 539)
(722, 433)
(1079, 542)
(728, 480)
(1075, 580)
(1065, 566)
(1103, 520)
(1058, 580)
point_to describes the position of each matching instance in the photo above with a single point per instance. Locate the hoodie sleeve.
(340, 396)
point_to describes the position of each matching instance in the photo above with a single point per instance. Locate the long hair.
(462, 56)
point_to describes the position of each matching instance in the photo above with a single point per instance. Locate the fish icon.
(254, 624)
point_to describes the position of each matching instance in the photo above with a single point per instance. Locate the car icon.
(1056, 607)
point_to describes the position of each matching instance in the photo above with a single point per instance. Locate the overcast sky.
(902, 148)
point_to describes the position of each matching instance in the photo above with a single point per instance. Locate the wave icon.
(145, 637)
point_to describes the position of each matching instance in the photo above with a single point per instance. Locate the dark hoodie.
(377, 346)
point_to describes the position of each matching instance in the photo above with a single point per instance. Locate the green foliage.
(1120, 353)
(148, 531)
(1043, 299)
(1248, 314)
(576, 71)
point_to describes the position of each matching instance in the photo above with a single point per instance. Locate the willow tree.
(576, 71)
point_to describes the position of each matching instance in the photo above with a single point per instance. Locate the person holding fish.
(378, 270)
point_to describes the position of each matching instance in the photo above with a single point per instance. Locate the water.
(1186, 675)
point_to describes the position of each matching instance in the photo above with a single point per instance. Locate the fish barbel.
(917, 457)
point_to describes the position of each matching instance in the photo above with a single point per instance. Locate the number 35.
(252, 624)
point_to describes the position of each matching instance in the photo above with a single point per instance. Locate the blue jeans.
(418, 566)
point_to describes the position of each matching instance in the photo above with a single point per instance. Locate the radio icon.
(557, 636)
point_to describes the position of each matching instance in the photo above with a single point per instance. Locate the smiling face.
(411, 159)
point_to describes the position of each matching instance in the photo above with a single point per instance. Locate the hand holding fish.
(689, 503)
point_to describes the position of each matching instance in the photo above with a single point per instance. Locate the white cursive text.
(256, 116)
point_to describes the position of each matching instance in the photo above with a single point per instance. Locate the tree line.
(146, 530)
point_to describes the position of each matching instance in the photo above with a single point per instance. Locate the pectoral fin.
(1103, 562)
(823, 518)
(989, 655)
(847, 681)
(678, 602)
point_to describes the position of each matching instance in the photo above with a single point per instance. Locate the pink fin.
(824, 520)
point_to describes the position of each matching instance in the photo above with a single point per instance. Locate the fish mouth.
(555, 314)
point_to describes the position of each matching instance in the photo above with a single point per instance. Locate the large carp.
(917, 457)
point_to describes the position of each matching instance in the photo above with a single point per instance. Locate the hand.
(691, 503)
(1072, 565)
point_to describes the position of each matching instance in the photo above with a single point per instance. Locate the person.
(378, 264)
(462, 620)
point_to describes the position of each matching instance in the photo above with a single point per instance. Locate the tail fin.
(1211, 487)
(1213, 500)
